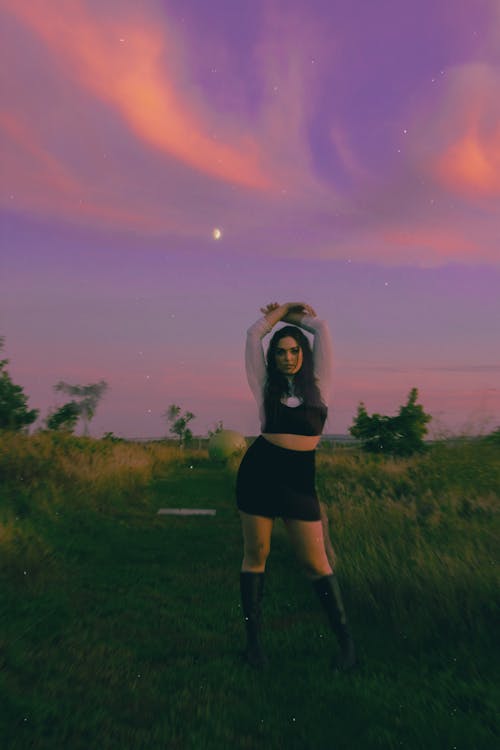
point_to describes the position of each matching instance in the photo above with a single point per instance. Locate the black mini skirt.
(274, 481)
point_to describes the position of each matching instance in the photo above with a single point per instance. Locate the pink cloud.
(466, 132)
(128, 65)
(115, 132)
(35, 177)
(68, 161)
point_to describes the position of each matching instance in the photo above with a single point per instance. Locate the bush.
(401, 435)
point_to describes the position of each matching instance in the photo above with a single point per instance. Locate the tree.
(178, 424)
(401, 435)
(65, 418)
(411, 426)
(14, 412)
(90, 396)
(219, 426)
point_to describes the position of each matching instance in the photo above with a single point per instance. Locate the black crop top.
(296, 420)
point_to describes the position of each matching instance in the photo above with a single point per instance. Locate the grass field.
(122, 629)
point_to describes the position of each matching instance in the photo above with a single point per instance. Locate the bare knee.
(317, 569)
(256, 540)
(255, 557)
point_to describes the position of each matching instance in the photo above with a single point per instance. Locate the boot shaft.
(328, 591)
(252, 592)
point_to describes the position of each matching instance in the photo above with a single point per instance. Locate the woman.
(277, 474)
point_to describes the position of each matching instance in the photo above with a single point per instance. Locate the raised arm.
(255, 363)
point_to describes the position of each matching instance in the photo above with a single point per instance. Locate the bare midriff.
(292, 442)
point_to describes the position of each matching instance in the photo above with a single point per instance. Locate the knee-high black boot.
(252, 590)
(328, 591)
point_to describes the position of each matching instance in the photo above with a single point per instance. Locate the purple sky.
(348, 152)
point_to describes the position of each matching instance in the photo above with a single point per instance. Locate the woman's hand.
(290, 312)
(289, 307)
(296, 313)
(269, 308)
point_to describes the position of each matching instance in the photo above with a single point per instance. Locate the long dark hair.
(304, 381)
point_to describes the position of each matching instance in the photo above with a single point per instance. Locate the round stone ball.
(226, 443)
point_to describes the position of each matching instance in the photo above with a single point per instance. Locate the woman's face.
(288, 356)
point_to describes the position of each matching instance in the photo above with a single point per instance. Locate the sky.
(169, 167)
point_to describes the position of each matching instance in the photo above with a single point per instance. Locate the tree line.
(15, 416)
(399, 435)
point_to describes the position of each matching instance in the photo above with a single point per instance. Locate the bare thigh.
(309, 546)
(256, 540)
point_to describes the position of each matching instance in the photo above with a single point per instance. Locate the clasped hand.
(291, 312)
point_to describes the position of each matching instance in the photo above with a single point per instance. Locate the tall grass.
(418, 538)
(115, 623)
(46, 475)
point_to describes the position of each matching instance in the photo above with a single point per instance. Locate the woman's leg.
(308, 543)
(257, 542)
(307, 540)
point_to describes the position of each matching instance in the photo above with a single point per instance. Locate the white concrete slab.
(186, 512)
